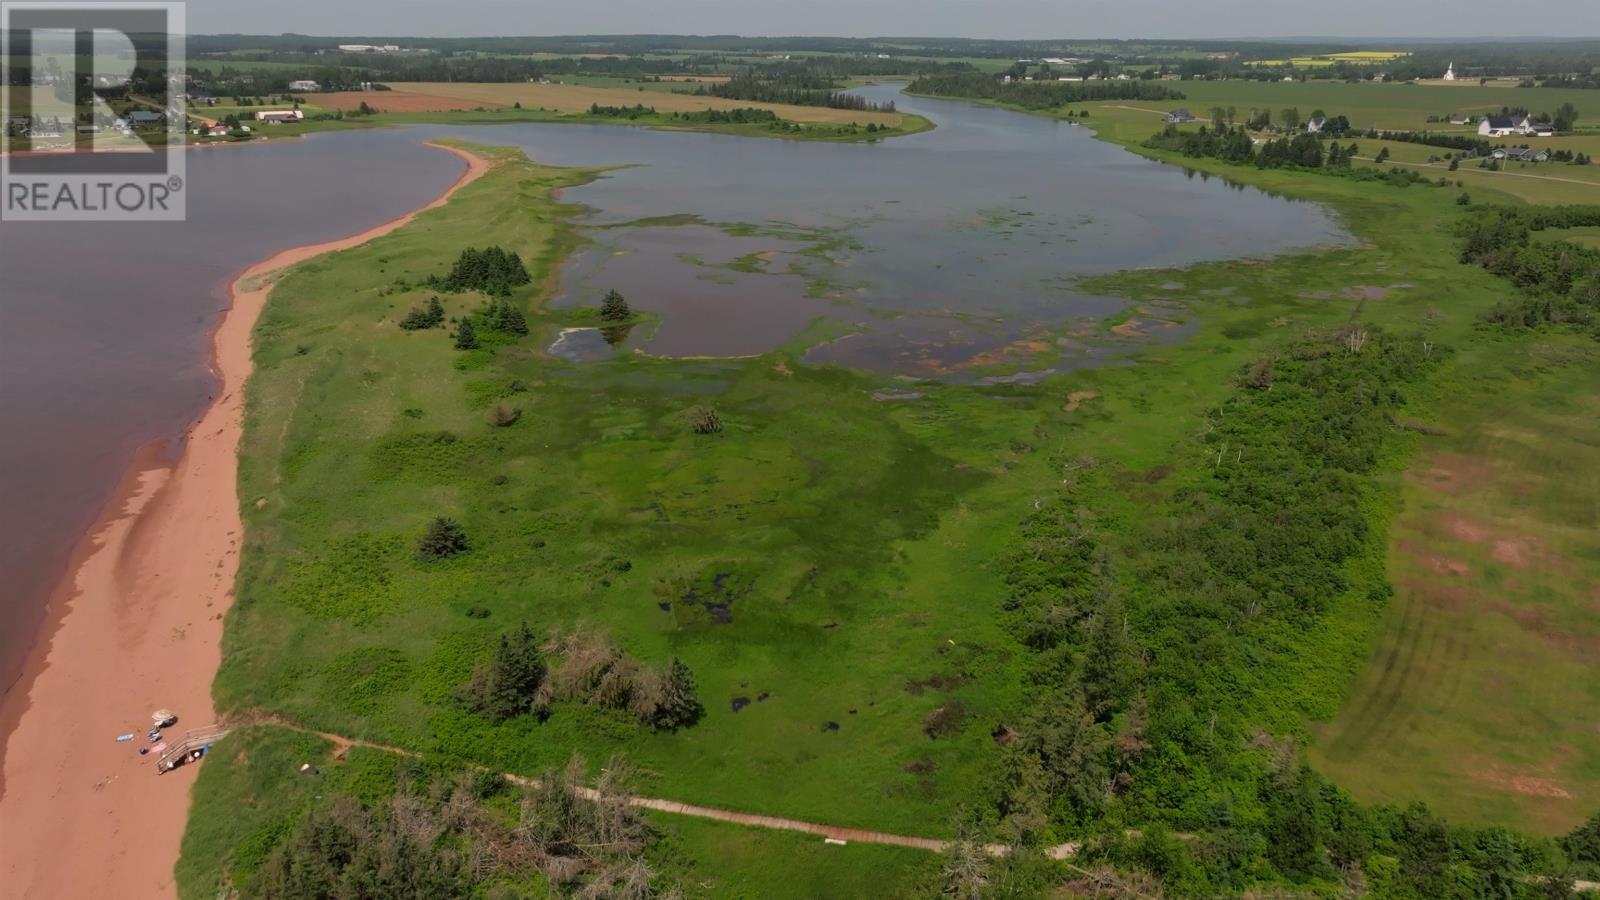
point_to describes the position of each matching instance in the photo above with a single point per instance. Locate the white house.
(1316, 124)
(278, 116)
(303, 86)
(1500, 126)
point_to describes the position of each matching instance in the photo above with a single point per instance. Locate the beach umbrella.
(163, 716)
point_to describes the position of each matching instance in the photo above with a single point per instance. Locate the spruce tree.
(510, 319)
(466, 337)
(680, 706)
(443, 537)
(517, 672)
(614, 308)
(435, 312)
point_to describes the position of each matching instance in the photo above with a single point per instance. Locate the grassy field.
(1588, 237)
(1481, 692)
(1381, 105)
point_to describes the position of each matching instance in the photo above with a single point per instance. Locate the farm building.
(1180, 115)
(1500, 126)
(304, 86)
(279, 116)
(141, 118)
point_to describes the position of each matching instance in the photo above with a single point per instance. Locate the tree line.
(802, 88)
(1302, 151)
(1559, 280)
(1039, 94)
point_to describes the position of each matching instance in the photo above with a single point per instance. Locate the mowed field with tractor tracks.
(1482, 693)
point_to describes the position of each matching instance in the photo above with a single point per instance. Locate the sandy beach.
(136, 625)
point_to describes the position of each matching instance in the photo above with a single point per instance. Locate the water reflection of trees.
(616, 334)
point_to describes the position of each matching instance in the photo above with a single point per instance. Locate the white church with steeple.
(1450, 72)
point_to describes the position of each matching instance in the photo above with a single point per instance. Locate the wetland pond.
(922, 255)
(929, 255)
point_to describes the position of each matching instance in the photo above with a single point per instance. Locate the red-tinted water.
(105, 330)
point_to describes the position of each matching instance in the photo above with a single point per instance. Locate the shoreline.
(136, 624)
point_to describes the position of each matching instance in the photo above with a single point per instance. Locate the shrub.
(614, 308)
(502, 414)
(705, 420)
(443, 538)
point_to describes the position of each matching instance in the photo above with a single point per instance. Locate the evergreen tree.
(466, 338)
(508, 318)
(430, 316)
(444, 537)
(680, 706)
(514, 676)
(614, 308)
(1108, 662)
(1583, 844)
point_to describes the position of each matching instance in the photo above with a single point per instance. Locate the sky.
(865, 18)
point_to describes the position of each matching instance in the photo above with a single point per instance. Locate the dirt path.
(1159, 112)
(342, 743)
(1446, 167)
(137, 624)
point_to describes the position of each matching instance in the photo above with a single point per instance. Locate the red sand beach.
(136, 625)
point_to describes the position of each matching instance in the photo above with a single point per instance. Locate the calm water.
(935, 248)
(921, 252)
(105, 329)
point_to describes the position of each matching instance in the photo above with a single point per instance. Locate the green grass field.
(1481, 690)
(1379, 104)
